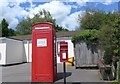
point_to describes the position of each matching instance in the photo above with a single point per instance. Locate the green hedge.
(89, 36)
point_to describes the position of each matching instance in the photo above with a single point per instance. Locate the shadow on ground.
(58, 83)
(60, 75)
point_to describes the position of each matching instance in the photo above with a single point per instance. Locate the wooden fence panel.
(86, 55)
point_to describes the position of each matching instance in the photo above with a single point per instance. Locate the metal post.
(64, 68)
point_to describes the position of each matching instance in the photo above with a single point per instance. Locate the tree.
(89, 36)
(105, 39)
(106, 34)
(25, 26)
(12, 32)
(109, 38)
(4, 29)
(59, 28)
(92, 19)
(116, 36)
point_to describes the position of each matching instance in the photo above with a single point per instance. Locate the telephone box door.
(43, 59)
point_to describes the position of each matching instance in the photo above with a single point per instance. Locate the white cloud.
(13, 23)
(80, 2)
(11, 14)
(58, 10)
(83, 2)
(107, 2)
(71, 21)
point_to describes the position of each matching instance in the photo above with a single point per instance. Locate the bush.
(107, 57)
(89, 36)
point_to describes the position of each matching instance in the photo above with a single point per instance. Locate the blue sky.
(66, 13)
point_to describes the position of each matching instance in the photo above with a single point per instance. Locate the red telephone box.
(44, 64)
(63, 51)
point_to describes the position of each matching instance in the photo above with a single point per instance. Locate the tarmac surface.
(22, 73)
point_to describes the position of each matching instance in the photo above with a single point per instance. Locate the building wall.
(2, 53)
(13, 51)
(28, 50)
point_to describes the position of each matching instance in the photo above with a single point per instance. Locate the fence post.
(118, 72)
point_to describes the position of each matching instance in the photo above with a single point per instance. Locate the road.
(22, 73)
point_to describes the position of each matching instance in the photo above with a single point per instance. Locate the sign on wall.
(42, 42)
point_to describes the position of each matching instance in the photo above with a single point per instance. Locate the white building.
(22, 50)
(11, 51)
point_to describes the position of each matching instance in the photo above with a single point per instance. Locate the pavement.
(22, 73)
(17, 73)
